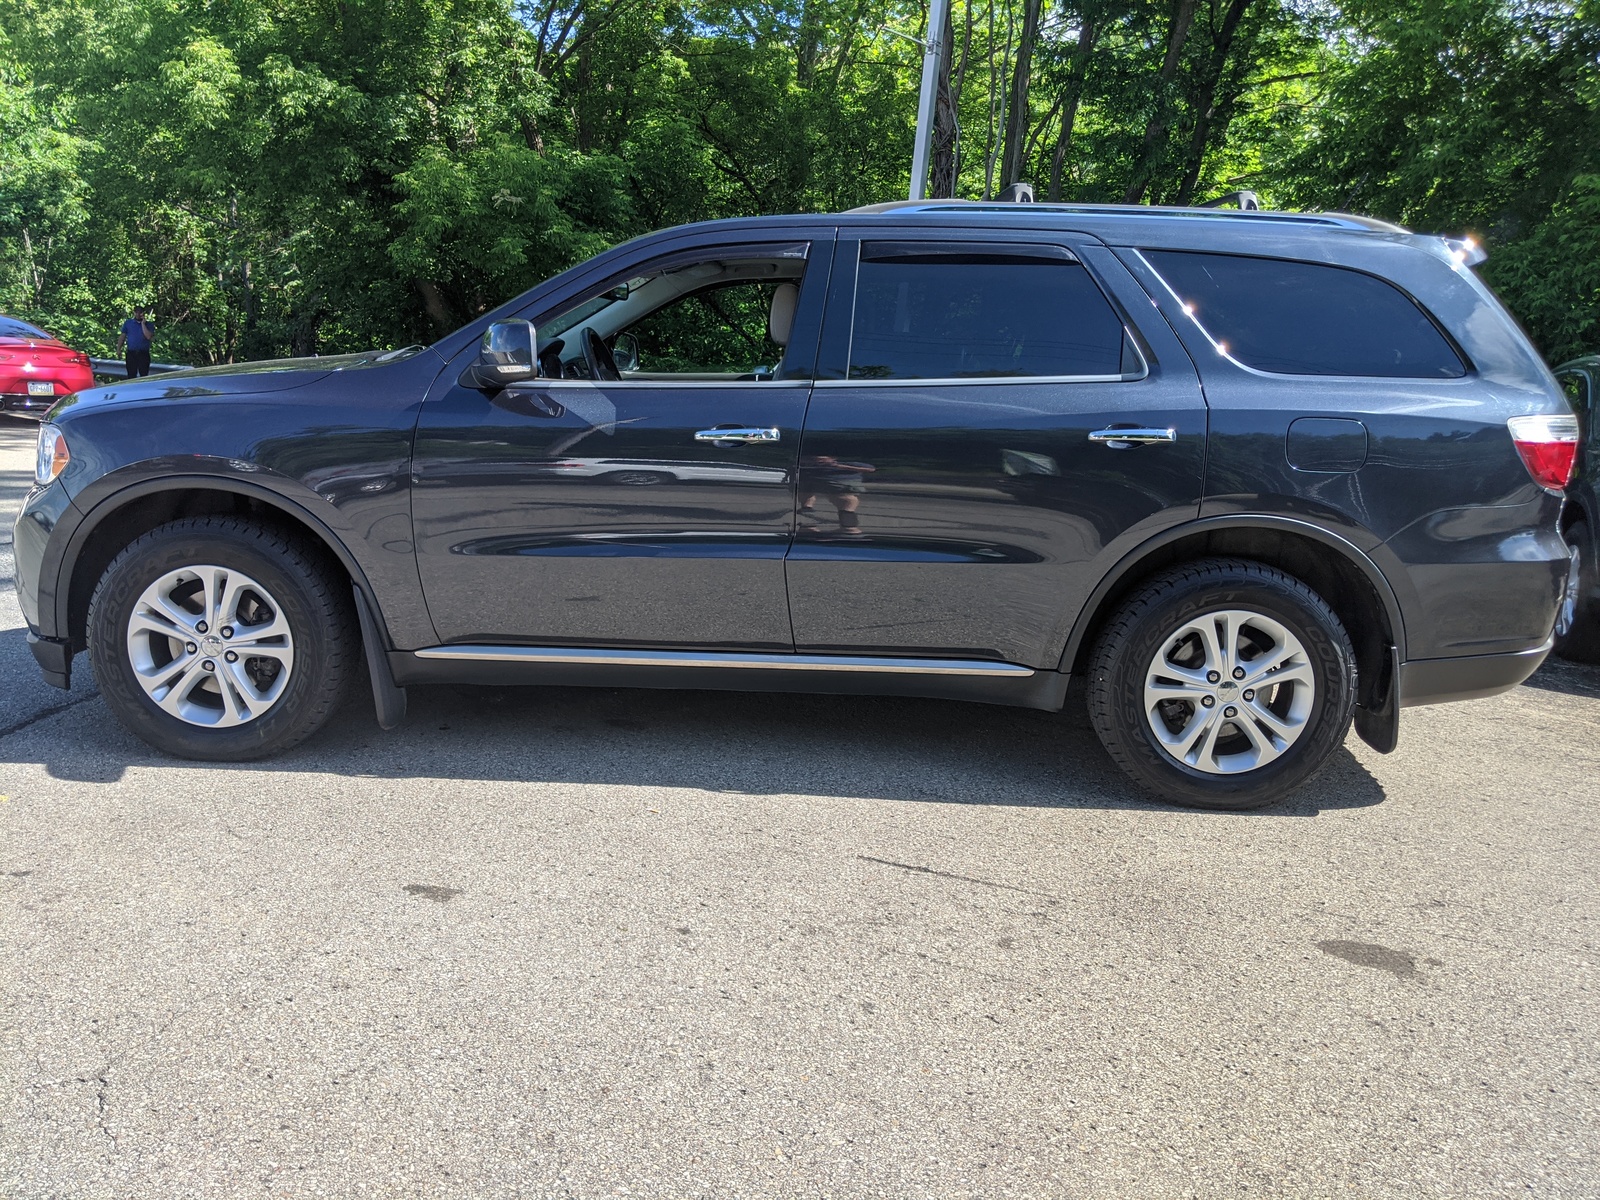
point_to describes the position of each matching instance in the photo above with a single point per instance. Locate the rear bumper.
(26, 406)
(1441, 680)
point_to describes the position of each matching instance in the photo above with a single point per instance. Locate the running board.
(556, 655)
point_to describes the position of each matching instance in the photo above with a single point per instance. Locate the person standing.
(137, 333)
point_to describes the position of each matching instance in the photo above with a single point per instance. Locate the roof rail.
(1243, 200)
(1209, 212)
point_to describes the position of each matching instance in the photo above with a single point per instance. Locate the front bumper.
(37, 556)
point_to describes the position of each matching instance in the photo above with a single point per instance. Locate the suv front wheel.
(216, 638)
(1223, 684)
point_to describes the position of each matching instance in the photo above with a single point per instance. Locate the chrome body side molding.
(566, 656)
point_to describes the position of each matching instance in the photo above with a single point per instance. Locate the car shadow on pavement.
(849, 747)
(1569, 678)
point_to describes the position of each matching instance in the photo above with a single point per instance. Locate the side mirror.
(508, 354)
(625, 349)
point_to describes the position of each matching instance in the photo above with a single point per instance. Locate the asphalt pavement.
(582, 943)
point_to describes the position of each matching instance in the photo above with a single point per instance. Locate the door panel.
(568, 512)
(588, 514)
(972, 517)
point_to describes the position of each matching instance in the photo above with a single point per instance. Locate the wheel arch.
(1576, 509)
(117, 519)
(1352, 584)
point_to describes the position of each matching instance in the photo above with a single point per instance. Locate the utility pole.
(932, 61)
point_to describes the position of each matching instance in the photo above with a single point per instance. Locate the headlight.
(53, 455)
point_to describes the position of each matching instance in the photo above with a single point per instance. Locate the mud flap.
(388, 699)
(1378, 720)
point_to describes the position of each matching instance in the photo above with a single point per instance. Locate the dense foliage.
(317, 175)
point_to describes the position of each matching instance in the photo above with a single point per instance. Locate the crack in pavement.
(100, 1109)
(45, 714)
(1010, 887)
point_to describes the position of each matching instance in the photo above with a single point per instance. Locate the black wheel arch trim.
(1131, 562)
(115, 501)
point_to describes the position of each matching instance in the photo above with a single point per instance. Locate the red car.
(36, 369)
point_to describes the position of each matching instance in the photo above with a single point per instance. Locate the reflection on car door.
(951, 499)
(570, 513)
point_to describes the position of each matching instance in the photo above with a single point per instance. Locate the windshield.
(577, 316)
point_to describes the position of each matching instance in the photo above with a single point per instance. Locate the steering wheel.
(598, 358)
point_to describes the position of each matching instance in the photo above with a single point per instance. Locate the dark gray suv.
(1241, 476)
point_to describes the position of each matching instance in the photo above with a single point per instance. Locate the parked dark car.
(1578, 623)
(37, 369)
(1241, 476)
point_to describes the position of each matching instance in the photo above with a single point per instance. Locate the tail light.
(53, 455)
(1549, 447)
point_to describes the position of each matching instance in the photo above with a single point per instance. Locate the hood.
(231, 379)
(306, 369)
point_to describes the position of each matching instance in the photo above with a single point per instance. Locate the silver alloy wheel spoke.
(1198, 711)
(180, 656)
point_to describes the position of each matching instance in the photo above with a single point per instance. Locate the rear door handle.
(736, 436)
(1126, 439)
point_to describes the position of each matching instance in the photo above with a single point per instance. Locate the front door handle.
(736, 435)
(1126, 439)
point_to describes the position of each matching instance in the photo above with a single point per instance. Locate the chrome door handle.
(732, 436)
(1126, 439)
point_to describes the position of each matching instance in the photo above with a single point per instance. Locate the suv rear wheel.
(216, 638)
(1223, 684)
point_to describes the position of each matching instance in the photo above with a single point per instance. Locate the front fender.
(375, 547)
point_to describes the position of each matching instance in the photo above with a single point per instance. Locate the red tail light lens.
(1549, 447)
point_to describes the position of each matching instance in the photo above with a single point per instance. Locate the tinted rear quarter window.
(925, 314)
(1299, 318)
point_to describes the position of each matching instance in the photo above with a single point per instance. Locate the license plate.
(41, 389)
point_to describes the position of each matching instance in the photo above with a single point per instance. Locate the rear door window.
(935, 311)
(1299, 318)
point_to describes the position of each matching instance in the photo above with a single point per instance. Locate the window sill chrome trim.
(981, 380)
(765, 385)
(755, 662)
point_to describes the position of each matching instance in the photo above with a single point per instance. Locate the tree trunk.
(433, 298)
(1088, 33)
(1205, 108)
(991, 134)
(808, 48)
(1155, 131)
(942, 186)
(1012, 159)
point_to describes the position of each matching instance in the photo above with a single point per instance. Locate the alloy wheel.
(1229, 691)
(210, 646)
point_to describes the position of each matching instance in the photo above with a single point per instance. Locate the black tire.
(1580, 640)
(325, 638)
(1142, 627)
